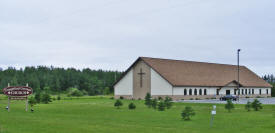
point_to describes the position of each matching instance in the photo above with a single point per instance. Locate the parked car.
(229, 97)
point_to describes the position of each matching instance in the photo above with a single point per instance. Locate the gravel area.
(241, 101)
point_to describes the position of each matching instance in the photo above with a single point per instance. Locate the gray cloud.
(111, 34)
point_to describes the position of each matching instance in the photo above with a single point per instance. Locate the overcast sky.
(111, 34)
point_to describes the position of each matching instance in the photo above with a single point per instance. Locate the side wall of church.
(159, 86)
(125, 85)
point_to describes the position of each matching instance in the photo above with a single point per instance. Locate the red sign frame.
(17, 91)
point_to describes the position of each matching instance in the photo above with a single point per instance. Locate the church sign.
(17, 93)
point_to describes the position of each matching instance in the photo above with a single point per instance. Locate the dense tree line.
(271, 79)
(59, 80)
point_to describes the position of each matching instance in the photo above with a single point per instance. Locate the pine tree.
(148, 101)
(187, 113)
(118, 103)
(132, 106)
(168, 102)
(256, 105)
(229, 105)
(248, 106)
(161, 105)
(154, 103)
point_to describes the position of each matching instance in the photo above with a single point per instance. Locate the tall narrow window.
(266, 91)
(205, 93)
(217, 92)
(185, 92)
(252, 91)
(235, 92)
(245, 91)
(242, 92)
(190, 91)
(200, 92)
(195, 92)
(260, 91)
(249, 91)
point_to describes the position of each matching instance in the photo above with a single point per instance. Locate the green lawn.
(97, 114)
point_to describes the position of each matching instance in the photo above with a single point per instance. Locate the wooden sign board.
(17, 93)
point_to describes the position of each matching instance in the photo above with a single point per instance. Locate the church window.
(205, 93)
(185, 92)
(245, 91)
(260, 91)
(217, 92)
(242, 92)
(252, 91)
(266, 91)
(249, 91)
(200, 92)
(195, 92)
(190, 91)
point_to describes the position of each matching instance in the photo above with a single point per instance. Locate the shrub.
(187, 113)
(161, 105)
(121, 97)
(154, 103)
(198, 99)
(191, 98)
(46, 98)
(118, 103)
(37, 97)
(160, 98)
(32, 102)
(168, 102)
(132, 106)
(256, 105)
(248, 106)
(58, 97)
(148, 100)
(229, 105)
(111, 97)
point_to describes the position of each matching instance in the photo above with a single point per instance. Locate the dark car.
(229, 97)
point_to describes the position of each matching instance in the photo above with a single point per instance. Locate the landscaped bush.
(148, 101)
(161, 105)
(58, 97)
(168, 102)
(132, 106)
(32, 102)
(187, 113)
(46, 98)
(256, 105)
(229, 105)
(121, 97)
(118, 103)
(154, 103)
(248, 106)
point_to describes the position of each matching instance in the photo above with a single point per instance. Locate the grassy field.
(98, 115)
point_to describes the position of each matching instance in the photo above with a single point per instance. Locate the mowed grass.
(98, 115)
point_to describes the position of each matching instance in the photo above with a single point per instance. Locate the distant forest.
(59, 80)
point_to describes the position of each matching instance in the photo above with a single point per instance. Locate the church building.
(180, 79)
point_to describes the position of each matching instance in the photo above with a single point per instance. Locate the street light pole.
(239, 74)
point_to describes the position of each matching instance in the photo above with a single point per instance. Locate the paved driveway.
(242, 101)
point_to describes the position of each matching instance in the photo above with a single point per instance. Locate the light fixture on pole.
(239, 50)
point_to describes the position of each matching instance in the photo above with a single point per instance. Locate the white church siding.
(125, 85)
(159, 86)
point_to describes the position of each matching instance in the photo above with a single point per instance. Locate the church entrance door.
(227, 92)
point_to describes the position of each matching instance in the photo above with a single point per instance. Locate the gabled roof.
(190, 73)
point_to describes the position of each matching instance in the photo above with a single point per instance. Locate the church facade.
(180, 79)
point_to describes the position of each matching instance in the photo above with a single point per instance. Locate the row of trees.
(271, 79)
(58, 80)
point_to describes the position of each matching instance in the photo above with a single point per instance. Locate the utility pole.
(239, 50)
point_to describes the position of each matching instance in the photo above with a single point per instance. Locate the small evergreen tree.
(161, 105)
(118, 103)
(37, 97)
(256, 105)
(58, 97)
(229, 105)
(154, 103)
(148, 100)
(32, 102)
(132, 106)
(46, 98)
(168, 102)
(187, 113)
(248, 106)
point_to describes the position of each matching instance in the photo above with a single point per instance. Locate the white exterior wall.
(180, 90)
(159, 86)
(125, 85)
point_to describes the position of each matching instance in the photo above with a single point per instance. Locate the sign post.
(213, 113)
(17, 93)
